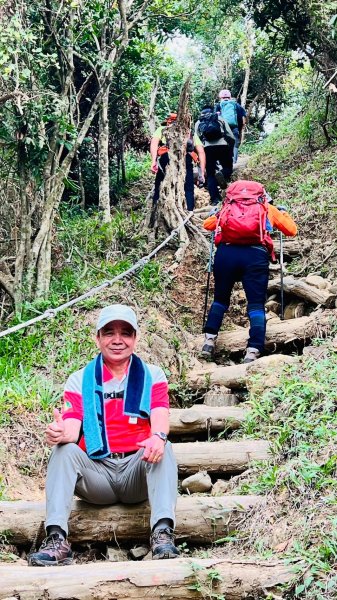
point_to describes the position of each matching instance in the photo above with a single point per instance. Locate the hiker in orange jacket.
(239, 260)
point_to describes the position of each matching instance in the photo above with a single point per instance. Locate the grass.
(288, 168)
(299, 419)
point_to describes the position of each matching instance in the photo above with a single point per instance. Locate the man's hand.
(154, 167)
(201, 181)
(55, 431)
(153, 449)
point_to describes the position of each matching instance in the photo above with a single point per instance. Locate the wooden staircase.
(201, 520)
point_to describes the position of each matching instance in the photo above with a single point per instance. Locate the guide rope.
(50, 313)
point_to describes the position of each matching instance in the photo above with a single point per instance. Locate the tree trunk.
(123, 168)
(81, 182)
(122, 522)
(248, 58)
(43, 271)
(103, 159)
(151, 114)
(249, 51)
(171, 205)
(235, 579)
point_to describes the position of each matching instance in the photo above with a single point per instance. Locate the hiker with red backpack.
(244, 248)
(159, 150)
(218, 142)
(234, 114)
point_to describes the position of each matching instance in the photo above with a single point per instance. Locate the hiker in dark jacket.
(234, 114)
(109, 442)
(218, 149)
(245, 217)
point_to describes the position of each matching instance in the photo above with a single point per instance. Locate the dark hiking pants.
(223, 154)
(189, 180)
(250, 265)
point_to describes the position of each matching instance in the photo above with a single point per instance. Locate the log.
(294, 310)
(200, 519)
(237, 376)
(292, 248)
(228, 456)
(150, 579)
(203, 418)
(300, 288)
(304, 329)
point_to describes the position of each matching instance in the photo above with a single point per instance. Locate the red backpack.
(242, 218)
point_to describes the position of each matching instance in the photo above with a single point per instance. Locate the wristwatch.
(161, 435)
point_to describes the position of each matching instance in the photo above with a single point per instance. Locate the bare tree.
(170, 209)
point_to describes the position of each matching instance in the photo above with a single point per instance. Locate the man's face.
(116, 341)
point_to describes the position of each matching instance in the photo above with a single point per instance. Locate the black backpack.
(210, 128)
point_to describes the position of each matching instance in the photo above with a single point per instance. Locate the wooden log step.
(203, 418)
(236, 376)
(200, 519)
(292, 247)
(228, 456)
(302, 289)
(151, 579)
(318, 324)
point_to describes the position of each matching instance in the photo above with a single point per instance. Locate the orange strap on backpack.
(162, 150)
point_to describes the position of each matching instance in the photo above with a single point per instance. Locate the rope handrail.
(52, 312)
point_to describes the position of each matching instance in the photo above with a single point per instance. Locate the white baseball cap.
(117, 312)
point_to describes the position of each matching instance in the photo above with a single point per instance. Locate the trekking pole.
(209, 271)
(282, 287)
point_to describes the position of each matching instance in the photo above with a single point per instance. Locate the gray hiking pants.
(108, 481)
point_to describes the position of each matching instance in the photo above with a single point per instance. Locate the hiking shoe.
(162, 544)
(208, 349)
(54, 550)
(251, 355)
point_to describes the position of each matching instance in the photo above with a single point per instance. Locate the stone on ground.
(220, 487)
(220, 396)
(199, 482)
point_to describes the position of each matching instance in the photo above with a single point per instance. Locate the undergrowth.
(300, 420)
(303, 179)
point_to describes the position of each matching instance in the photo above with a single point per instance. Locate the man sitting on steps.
(110, 443)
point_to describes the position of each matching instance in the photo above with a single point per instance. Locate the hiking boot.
(251, 355)
(162, 544)
(54, 550)
(208, 349)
